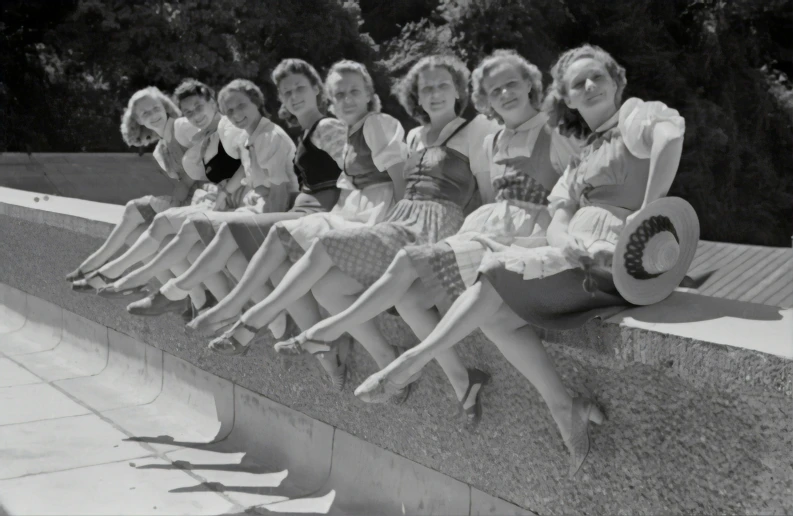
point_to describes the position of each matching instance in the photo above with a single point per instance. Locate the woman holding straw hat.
(631, 157)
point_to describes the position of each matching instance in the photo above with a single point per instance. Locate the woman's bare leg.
(148, 244)
(266, 260)
(418, 310)
(131, 220)
(187, 242)
(469, 311)
(211, 261)
(336, 292)
(382, 295)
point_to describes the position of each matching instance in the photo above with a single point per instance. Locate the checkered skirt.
(449, 267)
(365, 253)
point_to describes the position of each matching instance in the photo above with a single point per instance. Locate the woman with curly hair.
(446, 176)
(150, 117)
(373, 159)
(630, 159)
(230, 239)
(214, 161)
(526, 158)
(265, 182)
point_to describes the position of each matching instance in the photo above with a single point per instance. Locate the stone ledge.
(681, 437)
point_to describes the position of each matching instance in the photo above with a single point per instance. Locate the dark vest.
(221, 166)
(316, 168)
(358, 162)
(530, 179)
(441, 173)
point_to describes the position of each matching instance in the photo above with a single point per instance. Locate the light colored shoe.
(583, 411)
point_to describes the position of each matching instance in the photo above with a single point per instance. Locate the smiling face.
(590, 90)
(239, 109)
(436, 91)
(297, 94)
(199, 111)
(349, 95)
(507, 91)
(150, 113)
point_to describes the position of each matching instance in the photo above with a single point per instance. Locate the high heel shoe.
(228, 345)
(473, 413)
(582, 412)
(108, 291)
(303, 345)
(379, 389)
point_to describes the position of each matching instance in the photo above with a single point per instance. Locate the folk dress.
(441, 186)
(525, 164)
(604, 186)
(374, 144)
(317, 160)
(177, 138)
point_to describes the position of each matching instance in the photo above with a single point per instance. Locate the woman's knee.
(187, 230)
(415, 298)
(160, 226)
(401, 265)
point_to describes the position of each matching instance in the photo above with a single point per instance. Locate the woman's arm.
(664, 160)
(227, 189)
(557, 230)
(397, 173)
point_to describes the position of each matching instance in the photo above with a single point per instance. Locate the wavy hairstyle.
(191, 87)
(527, 70)
(299, 67)
(407, 90)
(347, 66)
(133, 132)
(569, 121)
(247, 88)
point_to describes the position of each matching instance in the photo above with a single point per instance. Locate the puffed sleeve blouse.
(268, 157)
(330, 136)
(609, 179)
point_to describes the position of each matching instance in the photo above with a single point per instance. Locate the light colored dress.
(604, 186)
(525, 164)
(318, 158)
(374, 144)
(177, 138)
(440, 188)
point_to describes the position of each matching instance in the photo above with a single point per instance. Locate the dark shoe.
(76, 274)
(473, 413)
(155, 304)
(191, 312)
(582, 412)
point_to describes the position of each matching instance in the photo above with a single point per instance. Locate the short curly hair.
(299, 67)
(247, 88)
(190, 88)
(133, 132)
(348, 66)
(407, 90)
(570, 122)
(527, 70)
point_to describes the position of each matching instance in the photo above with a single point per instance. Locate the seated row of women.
(544, 210)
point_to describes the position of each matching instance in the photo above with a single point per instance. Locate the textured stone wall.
(688, 429)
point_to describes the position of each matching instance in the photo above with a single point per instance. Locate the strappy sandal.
(303, 345)
(109, 292)
(229, 346)
(473, 413)
(385, 390)
(76, 275)
(583, 411)
(339, 378)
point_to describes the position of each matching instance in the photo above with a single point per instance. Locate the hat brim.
(653, 290)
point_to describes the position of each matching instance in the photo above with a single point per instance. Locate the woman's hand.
(221, 202)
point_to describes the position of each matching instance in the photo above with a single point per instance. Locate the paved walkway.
(62, 454)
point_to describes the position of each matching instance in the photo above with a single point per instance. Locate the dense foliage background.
(68, 67)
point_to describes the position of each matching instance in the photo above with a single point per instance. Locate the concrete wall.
(692, 427)
(113, 178)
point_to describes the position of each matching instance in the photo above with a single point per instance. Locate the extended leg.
(172, 254)
(211, 261)
(130, 221)
(148, 244)
(383, 294)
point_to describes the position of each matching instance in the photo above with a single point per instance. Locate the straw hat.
(655, 251)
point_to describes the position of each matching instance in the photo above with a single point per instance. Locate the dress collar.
(264, 125)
